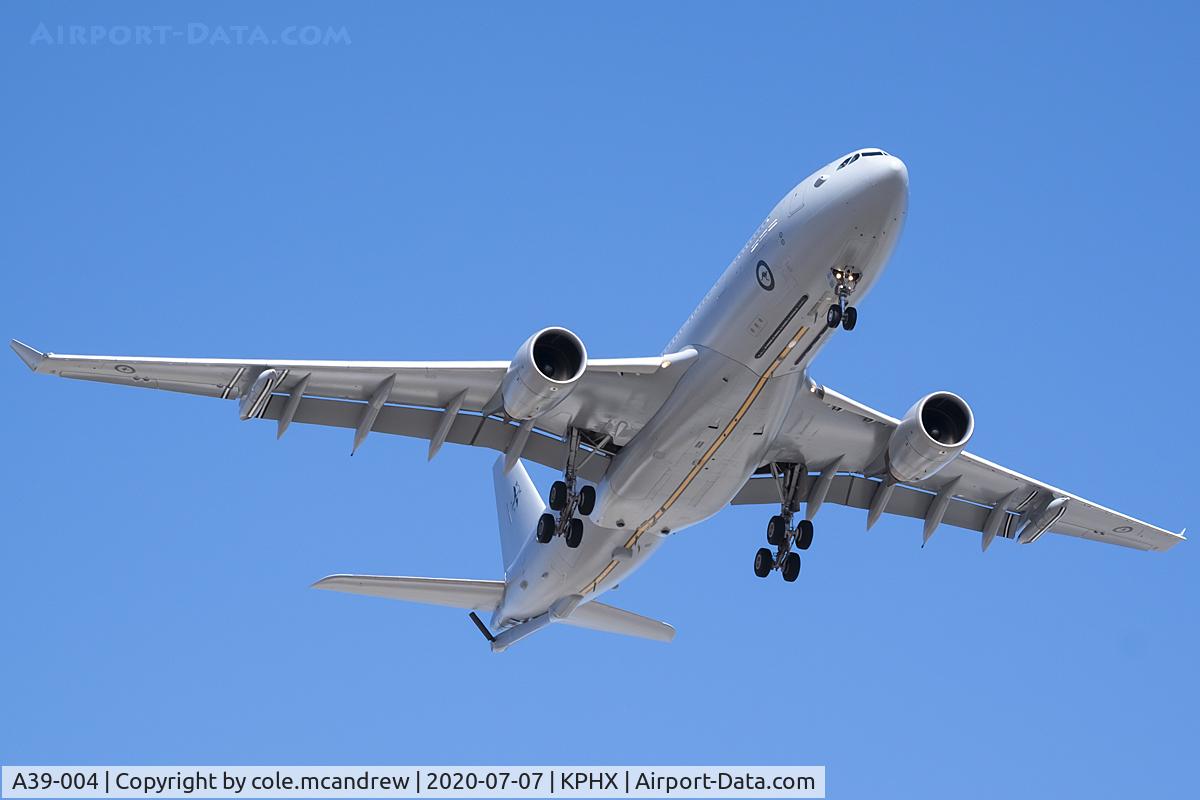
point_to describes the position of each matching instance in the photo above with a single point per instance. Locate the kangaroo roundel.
(766, 279)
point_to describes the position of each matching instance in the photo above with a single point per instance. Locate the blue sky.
(456, 176)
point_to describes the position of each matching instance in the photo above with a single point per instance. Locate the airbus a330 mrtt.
(649, 446)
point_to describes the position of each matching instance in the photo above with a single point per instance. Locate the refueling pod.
(258, 395)
(1041, 521)
(932, 433)
(544, 371)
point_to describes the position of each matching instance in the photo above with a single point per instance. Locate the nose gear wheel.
(844, 281)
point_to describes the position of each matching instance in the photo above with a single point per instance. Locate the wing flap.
(856, 491)
(422, 423)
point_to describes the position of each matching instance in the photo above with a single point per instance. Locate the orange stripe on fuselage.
(703, 460)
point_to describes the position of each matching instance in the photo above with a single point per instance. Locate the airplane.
(648, 446)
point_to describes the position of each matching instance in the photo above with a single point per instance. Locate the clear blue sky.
(457, 176)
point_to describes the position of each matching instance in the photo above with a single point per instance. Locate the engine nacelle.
(542, 373)
(932, 433)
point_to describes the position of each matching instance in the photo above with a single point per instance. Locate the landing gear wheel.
(574, 532)
(833, 316)
(850, 318)
(763, 562)
(776, 530)
(791, 567)
(558, 496)
(804, 534)
(587, 500)
(545, 528)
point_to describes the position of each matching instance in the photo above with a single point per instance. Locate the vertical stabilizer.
(518, 506)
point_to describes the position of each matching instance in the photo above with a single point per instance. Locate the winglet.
(32, 358)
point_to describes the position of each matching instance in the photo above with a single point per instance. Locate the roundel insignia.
(765, 278)
(1123, 529)
(128, 370)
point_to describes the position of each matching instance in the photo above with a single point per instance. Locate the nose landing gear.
(844, 280)
(781, 533)
(566, 499)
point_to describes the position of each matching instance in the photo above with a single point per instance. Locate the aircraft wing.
(441, 401)
(837, 434)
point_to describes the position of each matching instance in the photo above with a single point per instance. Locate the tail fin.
(518, 506)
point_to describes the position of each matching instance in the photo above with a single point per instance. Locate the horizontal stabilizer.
(601, 617)
(453, 592)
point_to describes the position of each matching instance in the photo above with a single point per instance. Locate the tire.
(587, 500)
(763, 561)
(850, 318)
(558, 496)
(791, 567)
(833, 317)
(776, 530)
(574, 532)
(804, 534)
(545, 528)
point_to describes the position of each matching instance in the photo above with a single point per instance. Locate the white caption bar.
(451, 782)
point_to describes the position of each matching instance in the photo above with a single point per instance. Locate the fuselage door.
(795, 201)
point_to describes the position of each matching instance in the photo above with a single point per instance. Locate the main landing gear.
(781, 534)
(843, 280)
(566, 499)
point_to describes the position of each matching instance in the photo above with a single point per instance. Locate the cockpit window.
(849, 160)
(852, 158)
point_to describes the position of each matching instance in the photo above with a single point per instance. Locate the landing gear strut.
(844, 280)
(785, 537)
(566, 499)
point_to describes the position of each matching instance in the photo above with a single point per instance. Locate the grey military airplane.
(728, 413)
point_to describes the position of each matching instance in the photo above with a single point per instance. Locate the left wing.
(441, 401)
(830, 431)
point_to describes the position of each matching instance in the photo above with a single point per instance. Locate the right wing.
(409, 398)
(829, 428)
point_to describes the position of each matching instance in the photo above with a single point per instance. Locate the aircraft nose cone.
(891, 175)
(885, 187)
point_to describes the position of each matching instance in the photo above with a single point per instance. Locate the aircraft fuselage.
(755, 333)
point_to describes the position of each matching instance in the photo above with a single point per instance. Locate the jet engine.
(932, 433)
(542, 373)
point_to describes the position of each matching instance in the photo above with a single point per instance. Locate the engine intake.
(931, 435)
(543, 373)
